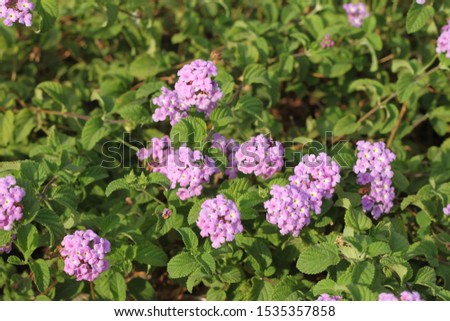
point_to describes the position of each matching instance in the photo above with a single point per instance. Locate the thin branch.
(397, 125)
(50, 287)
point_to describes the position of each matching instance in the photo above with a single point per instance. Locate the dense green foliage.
(84, 75)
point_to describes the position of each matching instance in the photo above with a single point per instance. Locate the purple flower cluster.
(157, 152)
(290, 207)
(327, 297)
(6, 248)
(219, 219)
(170, 105)
(186, 168)
(327, 42)
(229, 148)
(443, 42)
(261, 156)
(84, 255)
(447, 210)
(356, 13)
(404, 296)
(421, 1)
(10, 197)
(16, 11)
(195, 87)
(316, 176)
(373, 167)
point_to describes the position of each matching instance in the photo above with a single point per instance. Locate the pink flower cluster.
(327, 297)
(373, 167)
(443, 42)
(327, 42)
(356, 13)
(290, 207)
(185, 168)
(16, 11)
(6, 248)
(84, 255)
(10, 197)
(229, 148)
(219, 219)
(316, 176)
(404, 296)
(195, 87)
(447, 210)
(261, 156)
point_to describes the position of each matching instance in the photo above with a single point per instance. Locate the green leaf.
(54, 90)
(221, 117)
(425, 276)
(397, 265)
(27, 240)
(418, 16)
(116, 185)
(5, 237)
(325, 286)
(48, 10)
(181, 265)
(208, 263)
(12, 259)
(256, 74)
(231, 274)
(345, 126)
(141, 289)
(190, 239)
(66, 196)
(357, 219)
(361, 293)
(257, 251)
(250, 105)
(391, 118)
(191, 130)
(52, 223)
(378, 248)
(33, 172)
(118, 286)
(288, 289)
(149, 253)
(215, 294)
(93, 174)
(144, 66)
(93, 131)
(10, 166)
(426, 248)
(235, 188)
(363, 273)
(194, 212)
(405, 86)
(41, 273)
(149, 88)
(7, 127)
(318, 258)
(159, 179)
(135, 112)
(262, 290)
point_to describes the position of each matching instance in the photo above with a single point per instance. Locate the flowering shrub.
(272, 150)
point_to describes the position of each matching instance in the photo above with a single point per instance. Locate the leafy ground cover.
(227, 150)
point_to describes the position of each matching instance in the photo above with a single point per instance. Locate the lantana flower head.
(84, 255)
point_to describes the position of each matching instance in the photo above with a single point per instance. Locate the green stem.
(154, 198)
(91, 285)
